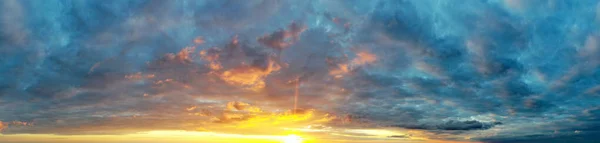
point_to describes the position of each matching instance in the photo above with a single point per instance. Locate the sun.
(292, 139)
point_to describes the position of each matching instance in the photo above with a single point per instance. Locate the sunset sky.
(299, 71)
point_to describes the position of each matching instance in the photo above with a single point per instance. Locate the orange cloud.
(191, 108)
(2, 126)
(203, 112)
(241, 106)
(341, 68)
(301, 118)
(199, 40)
(184, 54)
(364, 58)
(249, 77)
(212, 56)
(275, 120)
(245, 118)
(160, 82)
(139, 76)
(20, 123)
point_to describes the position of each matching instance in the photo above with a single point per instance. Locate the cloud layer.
(491, 71)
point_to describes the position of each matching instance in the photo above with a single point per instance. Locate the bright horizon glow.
(147, 137)
(292, 139)
(180, 136)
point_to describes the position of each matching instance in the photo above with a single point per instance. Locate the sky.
(218, 71)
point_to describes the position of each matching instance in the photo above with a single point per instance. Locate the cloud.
(241, 106)
(453, 125)
(2, 126)
(340, 66)
(480, 71)
(282, 39)
(466, 125)
(249, 77)
(399, 136)
(5, 125)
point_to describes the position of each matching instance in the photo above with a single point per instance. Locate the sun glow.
(292, 139)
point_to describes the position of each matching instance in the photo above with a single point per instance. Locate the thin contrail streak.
(296, 95)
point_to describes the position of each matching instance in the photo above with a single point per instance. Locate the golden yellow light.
(292, 139)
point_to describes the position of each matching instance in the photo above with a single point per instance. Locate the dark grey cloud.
(453, 125)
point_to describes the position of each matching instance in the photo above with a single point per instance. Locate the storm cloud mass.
(475, 70)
